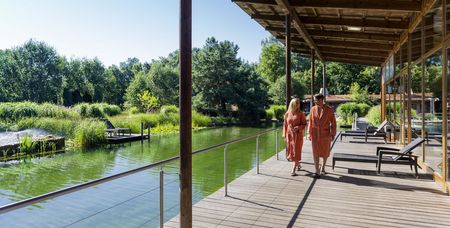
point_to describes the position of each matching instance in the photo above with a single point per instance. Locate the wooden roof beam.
(339, 34)
(345, 56)
(355, 35)
(368, 23)
(353, 61)
(354, 45)
(355, 52)
(298, 24)
(383, 5)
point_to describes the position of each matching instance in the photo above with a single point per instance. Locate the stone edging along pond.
(36, 147)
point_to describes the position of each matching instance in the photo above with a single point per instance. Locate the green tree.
(215, 71)
(272, 62)
(163, 83)
(137, 86)
(148, 102)
(39, 75)
(10, 87)
(277, 91)
(359, 95)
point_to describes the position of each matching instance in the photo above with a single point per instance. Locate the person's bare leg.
(294, 166)
(324, 164)
(316, 163)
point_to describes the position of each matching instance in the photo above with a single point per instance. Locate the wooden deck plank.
(352, 195)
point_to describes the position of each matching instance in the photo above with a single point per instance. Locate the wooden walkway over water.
(351, 196)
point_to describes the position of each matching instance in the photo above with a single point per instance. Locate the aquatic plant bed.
(49, 144)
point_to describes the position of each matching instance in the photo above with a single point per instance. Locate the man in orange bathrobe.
(322, 130)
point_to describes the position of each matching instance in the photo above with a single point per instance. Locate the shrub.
(278, 111)
(14, 111)
(269, 114)
(430, 116)
(199, 120)
(90, 133)
(374, 115)
(97, 110)
(166, 109)
(110, 110)
(347, 110)
(63, 127)
(94, 112)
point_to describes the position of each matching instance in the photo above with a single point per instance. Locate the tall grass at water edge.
(84, 132)
(162, 122)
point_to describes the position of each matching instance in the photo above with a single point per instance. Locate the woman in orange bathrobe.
(294, 125)
(322, 130)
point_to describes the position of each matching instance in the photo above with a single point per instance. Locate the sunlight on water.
(132, 201)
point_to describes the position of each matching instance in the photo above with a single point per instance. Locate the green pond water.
(132, 201)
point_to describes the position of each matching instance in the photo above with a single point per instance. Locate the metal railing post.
(225, 170)
(257, 154)
(142, 132)
(148, 133)
(161, 198)
(276, 143)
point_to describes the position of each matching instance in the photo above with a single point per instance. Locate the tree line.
(222, 81)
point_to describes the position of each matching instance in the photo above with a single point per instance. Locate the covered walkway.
(351, 196)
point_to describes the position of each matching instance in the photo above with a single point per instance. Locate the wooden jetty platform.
(351, 196)
(115, 139)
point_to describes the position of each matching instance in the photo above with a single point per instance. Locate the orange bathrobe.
(322, 128)
(294, 137)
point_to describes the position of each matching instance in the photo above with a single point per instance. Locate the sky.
(114, 30)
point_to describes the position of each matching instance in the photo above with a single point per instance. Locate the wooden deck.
(351, 196)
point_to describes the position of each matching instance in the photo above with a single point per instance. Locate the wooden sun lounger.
(378, 133)
(111, 130)
(396, 156)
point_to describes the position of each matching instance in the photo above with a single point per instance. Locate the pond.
(132, 201)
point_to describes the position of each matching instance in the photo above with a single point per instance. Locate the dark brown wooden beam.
(343, 34)
(383, 5)
(280, 29)
(298, 24)
(345, 56)
(355, 45)
(367, 23)
(353, 61)
(355, 35)
(355, 52)
(185, 113)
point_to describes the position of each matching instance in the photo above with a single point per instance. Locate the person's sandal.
(293, 174)
(299, 168)
(316, 176)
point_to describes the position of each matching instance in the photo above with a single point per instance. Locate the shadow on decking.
(302, 204)
(255, 203)
(372, 142)
(376, 183)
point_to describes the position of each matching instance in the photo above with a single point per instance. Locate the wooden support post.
(185, 113)
(288, 60)
(313, 72)
(409, 78)
(444, 95)
(422, 44)
(324, 81)
(383, 96)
